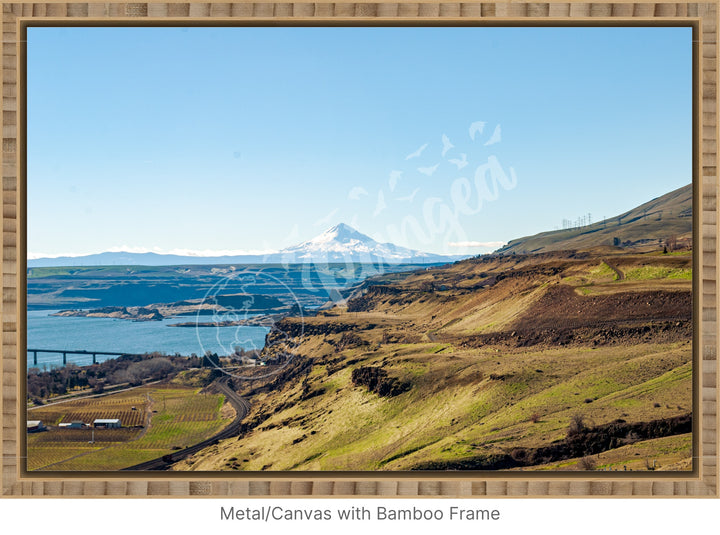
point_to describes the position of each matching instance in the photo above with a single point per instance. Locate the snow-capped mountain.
(343, 243)
(340, 243)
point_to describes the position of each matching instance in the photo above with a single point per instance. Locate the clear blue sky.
(240, 139)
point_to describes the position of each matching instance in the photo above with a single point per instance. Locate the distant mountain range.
(339, 244)
(662, 218)
(659, 219)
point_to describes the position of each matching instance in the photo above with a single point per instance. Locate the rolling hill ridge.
(661, 219)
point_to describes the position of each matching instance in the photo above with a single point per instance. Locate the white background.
(200, 516)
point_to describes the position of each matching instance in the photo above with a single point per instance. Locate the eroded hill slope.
(482, 364)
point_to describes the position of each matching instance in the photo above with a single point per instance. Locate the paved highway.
(242, 407)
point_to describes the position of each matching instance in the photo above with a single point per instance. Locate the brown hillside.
(661, 219)
(469, 365)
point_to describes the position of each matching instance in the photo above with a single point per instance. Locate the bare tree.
(577, 424)
(587, 463)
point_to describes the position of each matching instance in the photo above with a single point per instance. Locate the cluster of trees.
(137, 372)
(58, 381)
(240, 352)
(127, 369)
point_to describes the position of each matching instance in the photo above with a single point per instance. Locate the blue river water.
(126, 336)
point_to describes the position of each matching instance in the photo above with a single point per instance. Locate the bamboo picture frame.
(700, 482)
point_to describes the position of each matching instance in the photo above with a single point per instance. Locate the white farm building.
(107, 423)
(75, 424)
(34, 426)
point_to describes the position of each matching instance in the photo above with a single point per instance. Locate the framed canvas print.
(334, 249)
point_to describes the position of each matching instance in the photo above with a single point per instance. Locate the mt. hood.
(339, 244)
(343, 243)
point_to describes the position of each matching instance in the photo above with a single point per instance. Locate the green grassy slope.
(480, 379)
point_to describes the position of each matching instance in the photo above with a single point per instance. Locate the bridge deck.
(66, 352)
